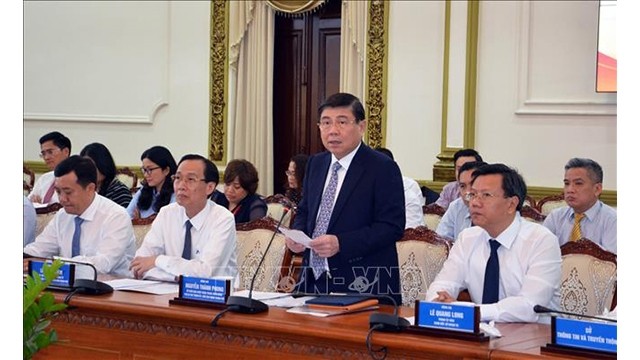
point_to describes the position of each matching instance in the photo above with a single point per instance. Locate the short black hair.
(466, 152)
(58, 139)
(512, 182)
(594, 170)
(471, 165)
(211, 173)
(344, 100)
(84, 168)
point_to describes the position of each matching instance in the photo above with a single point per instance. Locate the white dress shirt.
(530, 271)
(599, 225)
(42, 185)
(213, 243)
(454, 220)
(413, 201)
(106, 240)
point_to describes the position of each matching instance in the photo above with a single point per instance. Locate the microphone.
(87, 286)
(545, 310)
(388, 322)
(248, 305)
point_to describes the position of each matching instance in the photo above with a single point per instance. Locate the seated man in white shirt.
(585, 215)
(54, 147)
(89, 228)
(457, 216)
(413, 199)
(508, 264)
(193, 236)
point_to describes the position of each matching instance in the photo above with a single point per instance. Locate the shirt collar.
(589, 214)
(508, 236)
(345, 162)
(198, 220)
(90, 212)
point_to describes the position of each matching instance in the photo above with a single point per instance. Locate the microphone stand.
(545, 310)
(248, 305)
(88, 286)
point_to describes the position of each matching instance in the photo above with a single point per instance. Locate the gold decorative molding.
(443, 169)
(218, 81)
(377, 72)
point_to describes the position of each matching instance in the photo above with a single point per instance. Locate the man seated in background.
(457, 216)
(412, 197)
(54, 147)
(193, 236)
(89, 228)
(585, 215)
(450, 191)
(507, 263)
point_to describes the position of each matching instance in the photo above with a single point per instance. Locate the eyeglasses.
(290, 173)
(49, 152)
(325, 124)
(148, 171)
(482, 196)
(189, 180)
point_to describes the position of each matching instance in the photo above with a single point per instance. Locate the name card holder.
(65, 279)
(203, 292)
(586, 338)
(437, 319)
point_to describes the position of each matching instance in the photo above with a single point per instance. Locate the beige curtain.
(251, 40)
(353, 47)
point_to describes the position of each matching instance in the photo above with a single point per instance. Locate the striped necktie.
(576, 232)
(318, 263)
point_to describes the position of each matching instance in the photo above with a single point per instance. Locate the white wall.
(98, 71)
(559, 114)
(558, 59)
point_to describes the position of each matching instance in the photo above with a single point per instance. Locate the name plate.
(448, 316)
(215, 291)
(585, 334)
(66, 274)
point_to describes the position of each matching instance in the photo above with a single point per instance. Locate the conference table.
(128, 325)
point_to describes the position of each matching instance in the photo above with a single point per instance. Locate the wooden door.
(306, 71)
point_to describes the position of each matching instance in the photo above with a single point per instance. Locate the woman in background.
(240, 185)
(108, 185)
(157, 188)
(295, 175)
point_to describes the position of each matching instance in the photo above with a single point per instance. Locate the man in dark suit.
(353, 212)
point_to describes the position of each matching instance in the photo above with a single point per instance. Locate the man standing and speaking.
(352, 208)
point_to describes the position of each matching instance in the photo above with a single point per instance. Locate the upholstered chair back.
(589, 278)
(421, 253)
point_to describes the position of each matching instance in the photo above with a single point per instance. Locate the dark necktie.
(75, 242)
(492, 275)
(186, 252)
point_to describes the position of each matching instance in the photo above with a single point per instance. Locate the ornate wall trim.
(377, 47)
(443, 169)
(218, 81)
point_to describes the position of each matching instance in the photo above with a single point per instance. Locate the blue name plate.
(583, 334)
(65, 273)
(446, 316)
(202, 289)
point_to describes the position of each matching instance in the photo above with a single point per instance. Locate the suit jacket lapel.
(314, 205)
